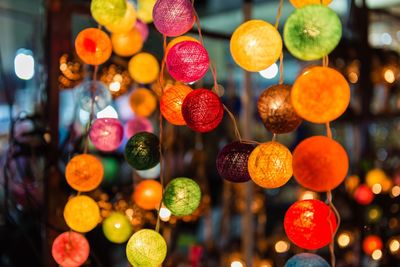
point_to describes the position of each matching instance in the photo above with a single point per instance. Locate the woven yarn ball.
(310, 224)
(255, 45)
(70, 249)
(182, 196)
(312, 32)
(142, 151)
(276, 110)
(146, 248)
(301, 3)
(187, 61)
(117, 228)
(320, 95)
(232, 162)
(137, 125)
(142, 102)
(320, 163)
(145, 10)
(144, 68)
(173, 17)
(81, 214)
(93, 46)
(202, 110)
(372, 243)
(148, 194)
(178, 40)
(84, 172)
(106, 134)
(126, 23)
(306, 260)
(270, 165)
(89, 90)
(171, 103)
(127, 43)
(143, 29)
(107, 12)
(363, 195)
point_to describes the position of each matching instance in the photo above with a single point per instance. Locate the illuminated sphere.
(84, 172)
(363, 195)
(142, 151)
(270, 165)
(81, 213)
(111, 168)
(137, 125)
(276, 110)
(320, 163)
(187, 61)
(93, 46)
(128, 43)
(106, 134)
(145, 10)
(70, 249)
(306, 260)
(310, 224)
(372, 243)
(173, 17)
(202, 110)
(301, 3)
(151, 173)
(143, 29)
(374, 213)
(126, 23)
(178, 40)
(144, 68)
(107, 12)
(312, 32)
(171, 103)
(146, 248)
(320, 95)
(232, 162)
(142, 102)
(255, 45)
(117, 228)
(182, 196)
(101, 94)
(375, 176)
(148, 194)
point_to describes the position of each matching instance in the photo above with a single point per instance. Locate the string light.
(395, 191)
(282, 246)
(165, 214)
(344, 239)
(376, 254)
(394, 246)
(377, 189)
(237, 263)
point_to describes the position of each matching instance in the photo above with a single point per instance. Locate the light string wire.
(278, 17)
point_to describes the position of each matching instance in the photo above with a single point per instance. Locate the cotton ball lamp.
(202, 110)
(232, 162)
(276, 110)
(84, 172)
(145, 10)
(93, 90)
(320, 95)
(143, 29)
(142, 151)
(143, 68)
(93, 46)
(310, 224)
(146, 248)
(70, 249)
(182, 196)
(178, 40)
(148, 194)
(142, 102)
(107, 12)
(126, 23)
(187, 61)
(127, 43)
(255, 45)
(320, 163)
(301, 3)
(306, 260)
(173, 17)
(363, 195)
(137, 125)
(171, 103)
(312, 32)
(81, 213)
(117, 228)
(372, 243)
(106, 134)
(270, 165)
(151, 173)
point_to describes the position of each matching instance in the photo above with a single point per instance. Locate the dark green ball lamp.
(142, 151)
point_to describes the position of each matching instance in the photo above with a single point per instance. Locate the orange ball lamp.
(126, 23)
(270, 165)
(301, 3)
(320, 95)
(372, 243)
(143, 102)
(148, 194)
(81, 213)
(320, 163)
(93, 46)
(144, 68)
(128, 43)
(171, 103)
(255, 45)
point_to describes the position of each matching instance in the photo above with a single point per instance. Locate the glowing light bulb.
(107, 112)
(165, 214)
(389, 76)
(24, 64)
(395, 191)
(344, 239)
(270, 72)
(394, 246)
(377, 189)
(236, 263)
(115, 86)
(377, 254)
(281, 246)
(307, 195)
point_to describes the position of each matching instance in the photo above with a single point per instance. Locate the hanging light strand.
(278, 17)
